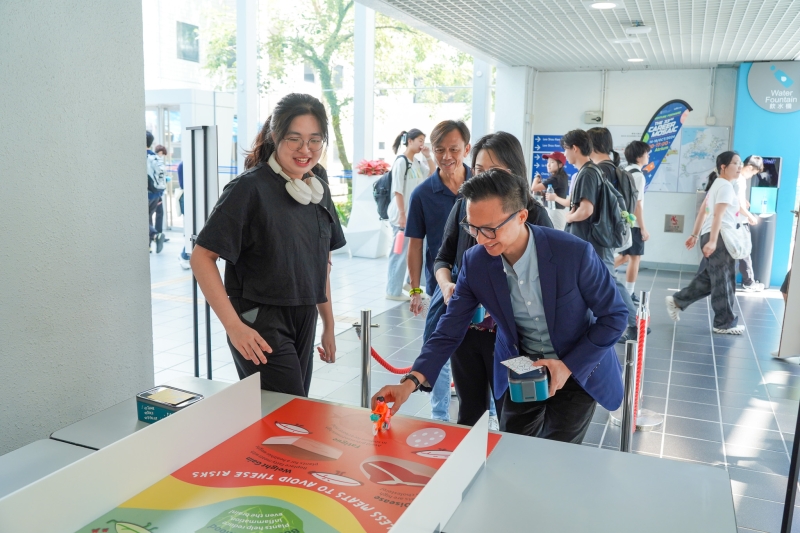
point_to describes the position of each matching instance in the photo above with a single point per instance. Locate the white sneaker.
(756, 286)
(736, 330)
(185, 263)
(494, 423)
(399, 297)
(673, 309)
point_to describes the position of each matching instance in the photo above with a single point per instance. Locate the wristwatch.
(413, 378)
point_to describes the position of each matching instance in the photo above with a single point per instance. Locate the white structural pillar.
(364, 91)
(246, 78)
(481, 98)
(514, 106)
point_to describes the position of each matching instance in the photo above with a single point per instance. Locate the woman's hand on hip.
(249, 343)
(327, 347)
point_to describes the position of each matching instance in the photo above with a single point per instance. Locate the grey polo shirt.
(526, 302)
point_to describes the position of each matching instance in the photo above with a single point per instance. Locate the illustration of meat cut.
(392, 471)
(336, 479)
(292, 428)
(425, 438)
(434, 454)
(303, 448)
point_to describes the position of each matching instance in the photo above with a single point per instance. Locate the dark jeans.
(746, 264)
(473, 374)
(160, 215)
(152, 206)
(290, 333)
(564, 417)
(715, 277)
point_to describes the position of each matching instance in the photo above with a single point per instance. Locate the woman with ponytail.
(275, 226)
(408, 171)
(717, 273)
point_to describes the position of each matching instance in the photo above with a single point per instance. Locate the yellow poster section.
(171, 494)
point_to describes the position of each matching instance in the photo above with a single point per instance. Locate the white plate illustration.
(425, 438)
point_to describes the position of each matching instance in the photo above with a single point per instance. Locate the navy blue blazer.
(585, 314)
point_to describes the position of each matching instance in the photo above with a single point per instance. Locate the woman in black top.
(275, 225)
(473, 361)
(560, 182)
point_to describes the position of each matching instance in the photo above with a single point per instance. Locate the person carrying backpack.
(592, 203)
(406, 174)
(156, 183)
(637, 153)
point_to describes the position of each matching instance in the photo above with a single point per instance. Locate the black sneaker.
(634, 298)
(159, 242)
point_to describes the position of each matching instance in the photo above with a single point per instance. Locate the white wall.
(631, 98)
(75, 323)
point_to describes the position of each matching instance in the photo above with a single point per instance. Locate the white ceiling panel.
(568, 35)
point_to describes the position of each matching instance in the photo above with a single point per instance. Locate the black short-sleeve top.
(276, 249)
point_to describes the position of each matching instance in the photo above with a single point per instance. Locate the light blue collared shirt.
(526, 302)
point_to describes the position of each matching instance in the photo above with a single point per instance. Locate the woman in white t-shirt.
(717, 273)
(408, 171)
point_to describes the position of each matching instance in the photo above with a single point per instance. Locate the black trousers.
(473, 373)
(564, 417)
(290, 333)
(152, 207)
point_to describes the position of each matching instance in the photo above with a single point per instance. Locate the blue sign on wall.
(661, 131)
(547, 144)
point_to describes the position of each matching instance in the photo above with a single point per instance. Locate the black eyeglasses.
(489, 233)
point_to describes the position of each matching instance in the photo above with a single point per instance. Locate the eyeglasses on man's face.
(296, 144)
(489, 233)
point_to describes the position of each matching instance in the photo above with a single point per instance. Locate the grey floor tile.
(647, 442)
(693, 348)
(656, 376)
(760, 515)
(749, 437)
(758, 460)
(653, 403)
(700, 411)
(594, 433)
(692, 357)
(692, 394)
(696, 429)
(750, 418)
(759, 485)
(686, 367)
(750, 386)
(692, 449)
(693, 380)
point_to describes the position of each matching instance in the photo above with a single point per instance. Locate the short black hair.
(497, 183)
(150, 139)
(635, 150)
(579, 139)
(446, 126)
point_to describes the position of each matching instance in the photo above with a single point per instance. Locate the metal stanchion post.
(366, 356)
(628, 399)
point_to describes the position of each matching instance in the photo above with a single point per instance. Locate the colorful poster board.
(306, 467)
(660, 133)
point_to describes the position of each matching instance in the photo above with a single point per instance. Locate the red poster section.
(330, 450)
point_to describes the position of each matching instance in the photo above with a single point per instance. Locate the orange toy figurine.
(381, 416)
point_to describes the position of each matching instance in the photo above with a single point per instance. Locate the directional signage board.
(547, 144)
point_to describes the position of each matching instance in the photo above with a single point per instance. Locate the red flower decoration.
(375, 167)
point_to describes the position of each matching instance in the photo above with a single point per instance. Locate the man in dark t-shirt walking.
(585, 196)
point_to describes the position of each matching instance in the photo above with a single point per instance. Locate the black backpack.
(382, 191)
(625, 185)
(609, 229)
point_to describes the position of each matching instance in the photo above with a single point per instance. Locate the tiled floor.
(726, 401)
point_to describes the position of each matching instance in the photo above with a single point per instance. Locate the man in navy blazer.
(569, 313)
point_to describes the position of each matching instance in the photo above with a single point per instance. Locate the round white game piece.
(425, 438)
